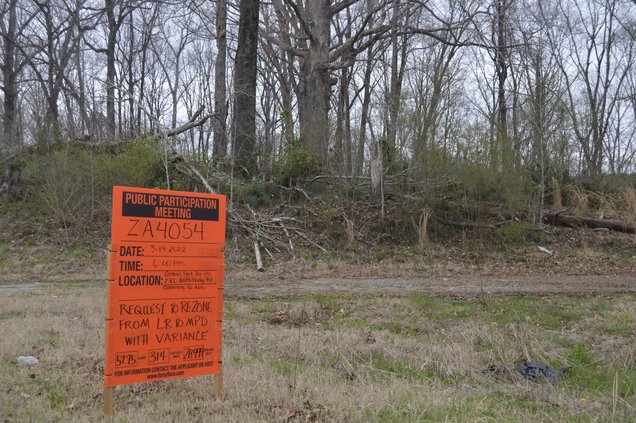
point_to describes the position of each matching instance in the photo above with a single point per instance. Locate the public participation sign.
(165, 289)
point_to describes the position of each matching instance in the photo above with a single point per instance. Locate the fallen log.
(558, 219)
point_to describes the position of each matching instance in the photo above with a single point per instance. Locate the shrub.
(257, 194)
(74, 184)
(294, 164)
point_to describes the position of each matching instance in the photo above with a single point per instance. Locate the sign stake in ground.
(165, 288)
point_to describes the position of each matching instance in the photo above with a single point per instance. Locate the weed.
(286, 367)
(242, 361)
(229, 310)
(78, 253)
(579, 355)
(328, 302)
(53, 394)
(401, 369)
(421, 301)
(382, 254)
(482, 345)
(5, 260)
(627, 384)
(12, 314)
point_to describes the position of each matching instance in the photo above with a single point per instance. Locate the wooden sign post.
(165, 289)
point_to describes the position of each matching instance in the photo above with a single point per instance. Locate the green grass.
(627, 384)
(328, 302)
(11, 314)
(78, 253)
(397, 368)
(242, 361)
(5, 260)
(286, 367)
(545, 312)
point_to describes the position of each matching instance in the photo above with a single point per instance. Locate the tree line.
(359, 89)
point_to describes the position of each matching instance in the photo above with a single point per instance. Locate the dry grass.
(350, 230)
(345, 359)
(422, 228)
(607, 204)
(579, 200)
(557, 199)
(620, 205)
(628, 196)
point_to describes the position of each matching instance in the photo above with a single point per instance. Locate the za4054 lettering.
(145, 228)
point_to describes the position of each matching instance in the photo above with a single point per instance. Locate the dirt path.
(263, 285)
(443, 287)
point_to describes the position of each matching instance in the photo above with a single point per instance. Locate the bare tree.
(220, 102)
(61, 35)
(15, 26)
(244, 116)
(319, 55)
(594, 72)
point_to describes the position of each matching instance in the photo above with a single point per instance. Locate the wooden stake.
(259, 261)
(218, 385)
(108, 401)
(108, 391)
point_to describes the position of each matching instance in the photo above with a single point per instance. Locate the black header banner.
(160, 206)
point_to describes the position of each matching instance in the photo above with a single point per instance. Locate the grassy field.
(354, 358)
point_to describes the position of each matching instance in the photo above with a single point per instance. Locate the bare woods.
(502, 95)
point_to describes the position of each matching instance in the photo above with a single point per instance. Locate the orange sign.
(165, 291)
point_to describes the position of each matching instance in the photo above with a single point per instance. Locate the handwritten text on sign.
(165, 293)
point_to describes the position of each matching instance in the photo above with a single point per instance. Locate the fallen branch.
(310, 241)
(186, 168)
(192, 123)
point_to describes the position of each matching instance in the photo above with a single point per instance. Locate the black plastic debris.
(493, 370)
(532, 370)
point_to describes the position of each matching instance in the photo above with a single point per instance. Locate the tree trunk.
(10, 83)
(376, 169)
(339, 152)
(501, 69)
(81, 95)
(219, 123)
(315, 84)
(366, 102)
(284, 62)
(389, 147)
(244, 122)
(131, 78)
(111, 44)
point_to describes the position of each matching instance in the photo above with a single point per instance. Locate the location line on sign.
(155, 270)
